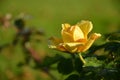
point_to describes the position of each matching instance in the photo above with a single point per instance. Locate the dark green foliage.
(51, 60)
(78, 65)
(102, 62)
(65, 66)
(73, 77)
(98, 73)
(113, 36)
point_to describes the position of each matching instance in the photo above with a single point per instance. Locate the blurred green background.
(48, 15)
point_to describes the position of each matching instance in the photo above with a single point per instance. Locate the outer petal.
(55, 41)
(72, 47)
(86, 27)
(66, 35)
(55, 44)
(65, 26)
(88, 44)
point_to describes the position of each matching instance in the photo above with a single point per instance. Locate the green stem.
(81, 58)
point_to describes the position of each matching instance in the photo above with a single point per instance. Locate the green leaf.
(92, 61)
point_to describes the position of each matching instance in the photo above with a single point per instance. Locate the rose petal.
(90, 41)
(55, 41)
(86, 27)
(77, 33)
(67, 37)
(65, 26)
(72, 47)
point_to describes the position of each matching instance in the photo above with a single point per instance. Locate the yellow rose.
(74, 38)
